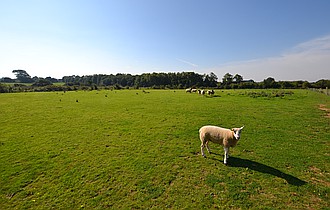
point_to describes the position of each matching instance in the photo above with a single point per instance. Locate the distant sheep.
(188, 90)
(210, 92)
(193, 90)
(201, 92)
(223, 136)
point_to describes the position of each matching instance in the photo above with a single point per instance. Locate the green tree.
(306, 85)
(7, 80)
(322, 84)
(22, 76)
(42, 82)
(213, 79)
(238, 78)
(269, 83)
(5, 88)
(286, 84)
(227, 79)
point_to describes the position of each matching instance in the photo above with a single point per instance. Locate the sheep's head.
(237, 132)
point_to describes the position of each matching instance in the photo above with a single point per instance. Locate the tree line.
(146, 80)
(178, 80)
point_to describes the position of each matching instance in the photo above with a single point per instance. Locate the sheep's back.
(214, 133)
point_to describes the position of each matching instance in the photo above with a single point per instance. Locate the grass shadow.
(255, 166)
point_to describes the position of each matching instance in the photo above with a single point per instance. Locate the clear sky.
(283, 39)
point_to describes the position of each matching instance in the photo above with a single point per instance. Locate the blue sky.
(284, 39)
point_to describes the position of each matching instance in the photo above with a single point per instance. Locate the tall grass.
(140, 149)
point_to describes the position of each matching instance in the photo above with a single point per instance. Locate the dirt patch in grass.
(319, 176)
(324, 108)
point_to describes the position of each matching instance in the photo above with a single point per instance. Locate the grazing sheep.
(210, 92)
(223, 136)
(202, 92)
(193, 90)
(188, 90)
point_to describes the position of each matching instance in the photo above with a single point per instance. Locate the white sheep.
(188, 90)
(223, 136)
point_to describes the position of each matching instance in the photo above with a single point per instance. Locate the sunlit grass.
(134, 149)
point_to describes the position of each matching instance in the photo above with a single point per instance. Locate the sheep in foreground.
(223, 136)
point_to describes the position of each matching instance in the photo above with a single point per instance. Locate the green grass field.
(131, 149)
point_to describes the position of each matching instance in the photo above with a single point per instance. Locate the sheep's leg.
(208, 148)
(226, 156)
(202, 149)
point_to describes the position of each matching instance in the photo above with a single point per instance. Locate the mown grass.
(131, 149)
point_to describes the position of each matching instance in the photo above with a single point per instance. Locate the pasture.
(134, 149)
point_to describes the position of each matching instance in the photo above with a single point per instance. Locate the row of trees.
(23, 77)
(236, 82)
(151, 80)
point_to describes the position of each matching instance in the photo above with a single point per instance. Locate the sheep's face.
(237, 132)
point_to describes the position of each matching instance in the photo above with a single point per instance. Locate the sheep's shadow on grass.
(255, 166)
